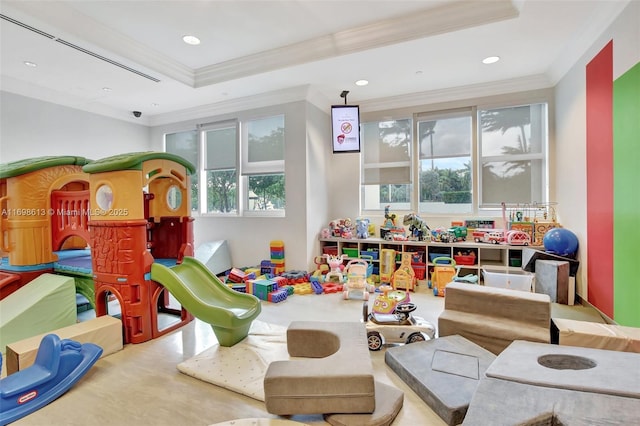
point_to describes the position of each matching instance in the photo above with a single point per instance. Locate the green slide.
(200, 292)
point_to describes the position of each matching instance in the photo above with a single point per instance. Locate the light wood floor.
(140, 385)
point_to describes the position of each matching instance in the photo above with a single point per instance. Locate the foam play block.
(215, 255)
(444, 372)
(598, 336)
(104, 331)
(552, 278)
(46, 303)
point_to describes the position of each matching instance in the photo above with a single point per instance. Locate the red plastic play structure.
(131, 210)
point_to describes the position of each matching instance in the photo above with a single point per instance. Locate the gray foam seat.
(389, 401)
(332, 372)
(538, 383)
(444, 372)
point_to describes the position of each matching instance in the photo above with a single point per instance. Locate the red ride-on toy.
(442, 274)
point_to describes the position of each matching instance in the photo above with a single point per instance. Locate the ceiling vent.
(78, 48)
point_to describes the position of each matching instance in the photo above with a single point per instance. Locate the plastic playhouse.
(104, 223)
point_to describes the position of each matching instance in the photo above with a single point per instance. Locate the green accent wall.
(626, 197)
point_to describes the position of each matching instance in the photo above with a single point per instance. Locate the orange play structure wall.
(26, 227)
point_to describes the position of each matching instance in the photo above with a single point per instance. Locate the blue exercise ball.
(560, 241)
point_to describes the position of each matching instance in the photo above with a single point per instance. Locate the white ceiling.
(277, 47)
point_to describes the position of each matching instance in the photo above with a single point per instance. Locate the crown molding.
(533, 82)
(261, 100)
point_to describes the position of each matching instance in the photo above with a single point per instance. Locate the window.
(221, 179)
(185, 145)
(263, 164)
(468, 159)
(513, 155)
(444, 143)
(238, 172)
(386, 165)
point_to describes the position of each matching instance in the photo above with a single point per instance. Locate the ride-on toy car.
(398, 327)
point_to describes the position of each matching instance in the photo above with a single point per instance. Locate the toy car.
(518, 238)
(398, 327)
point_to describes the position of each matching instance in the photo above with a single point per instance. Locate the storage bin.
(420, 269)
(513, 280)
(333, 250)
(372, 253)
(351, 252)
(433, 256)
(465, 259)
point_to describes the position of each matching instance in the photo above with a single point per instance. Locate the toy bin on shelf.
(420, 269)
(332, 250)
(372, 253)
(433, 256)
(350, 251)
(464, 259)
(513, 280)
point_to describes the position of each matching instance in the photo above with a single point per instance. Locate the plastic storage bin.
(420, 270)
(514, 280)
(333, 250)
(434, 256)
(350, 252)
(372, 253)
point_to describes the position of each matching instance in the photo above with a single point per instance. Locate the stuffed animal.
(362, 228)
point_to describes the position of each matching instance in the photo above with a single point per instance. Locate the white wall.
(570, 152)
(32, 128)
(318, 164)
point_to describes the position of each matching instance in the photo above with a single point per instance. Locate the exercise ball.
(560, 241)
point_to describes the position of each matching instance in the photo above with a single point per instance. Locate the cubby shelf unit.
(497, 257)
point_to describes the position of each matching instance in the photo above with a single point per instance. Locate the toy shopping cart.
(443, 273)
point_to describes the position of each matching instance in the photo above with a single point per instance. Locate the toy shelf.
(471, 256)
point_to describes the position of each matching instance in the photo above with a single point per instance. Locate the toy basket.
(522, 281)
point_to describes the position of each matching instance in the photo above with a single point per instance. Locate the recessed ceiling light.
(491, 59)
(30, 64)
(107, 89)
(362, 82)
(418, 72)
(192, 40)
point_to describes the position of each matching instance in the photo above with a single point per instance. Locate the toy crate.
(332, 250)
(372, 253)
(434, 256)
(522, 281)
(465, 259)
(350, 251)
(420, 269)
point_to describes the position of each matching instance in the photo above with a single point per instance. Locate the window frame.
(271, 167)
(470, 112)
(543, 155)
(203, 168)
(277, 167)
(537, 96)
(391, 164)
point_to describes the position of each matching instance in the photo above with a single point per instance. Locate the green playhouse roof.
(28, 165)
(133, 161)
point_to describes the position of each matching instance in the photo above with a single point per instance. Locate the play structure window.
(104, 197)
(174, 197)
